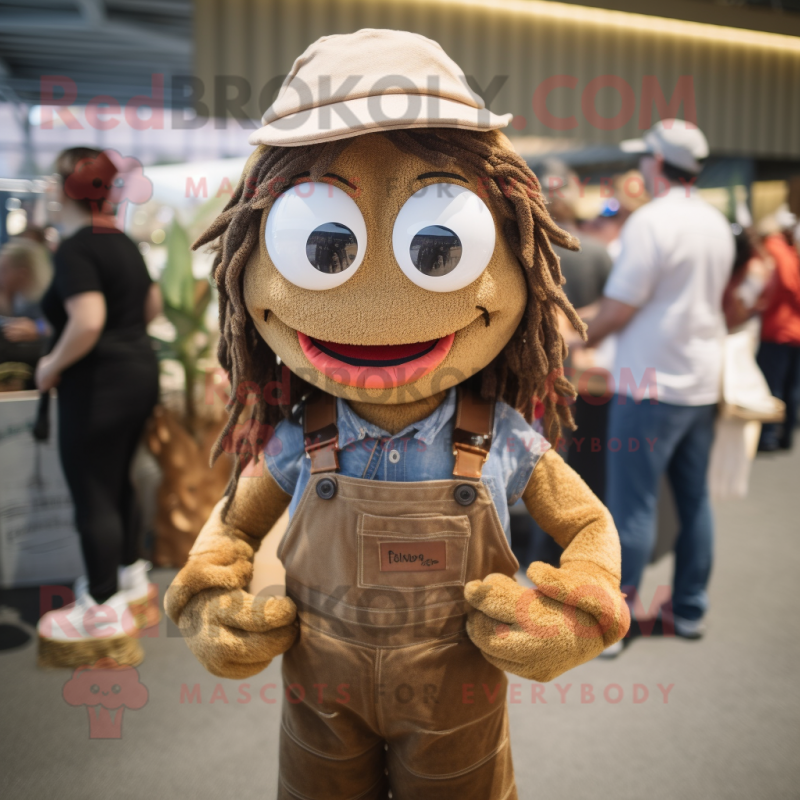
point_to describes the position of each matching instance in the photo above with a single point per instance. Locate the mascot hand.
(234, 634)
(572, 615)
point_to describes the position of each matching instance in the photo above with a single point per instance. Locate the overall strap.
(320, 434)
(472, 434)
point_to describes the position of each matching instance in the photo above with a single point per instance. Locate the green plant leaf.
(186, 301)
(185, 324)
(177, 281)
(164, 350)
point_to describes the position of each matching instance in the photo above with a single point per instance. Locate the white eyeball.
(316, 236)
(443, 237)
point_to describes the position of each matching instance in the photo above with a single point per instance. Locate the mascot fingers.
(496, 595)
(248, 612)
(201, 574)
(587, 587)
(236, 635)
(528, 633)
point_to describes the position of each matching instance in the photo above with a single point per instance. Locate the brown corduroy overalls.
(384, 689)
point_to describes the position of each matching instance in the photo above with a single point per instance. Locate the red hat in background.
(92, 179)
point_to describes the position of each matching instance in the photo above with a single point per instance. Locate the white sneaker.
(142, 595)
(84, 631)
(690, 628)
(685, 628)
(133, 578)
(613, 650)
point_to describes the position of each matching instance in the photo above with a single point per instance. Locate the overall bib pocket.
(412, 553)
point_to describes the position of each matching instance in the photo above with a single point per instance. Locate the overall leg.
(443, 710)
(773, 359)
(644, 436)
(329, 748)
(687, 471)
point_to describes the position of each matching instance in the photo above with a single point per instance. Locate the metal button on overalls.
(384, 688)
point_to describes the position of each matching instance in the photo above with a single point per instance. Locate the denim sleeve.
(518, 447)
(284, 454)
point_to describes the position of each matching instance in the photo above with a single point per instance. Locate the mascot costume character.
(389, 304)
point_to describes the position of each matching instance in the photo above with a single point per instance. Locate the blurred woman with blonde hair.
(25, 274)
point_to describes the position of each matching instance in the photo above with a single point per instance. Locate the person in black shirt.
(104, 366)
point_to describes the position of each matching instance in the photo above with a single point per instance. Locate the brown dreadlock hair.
(529, 366)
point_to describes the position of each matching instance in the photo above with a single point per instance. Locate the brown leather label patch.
(422, 556)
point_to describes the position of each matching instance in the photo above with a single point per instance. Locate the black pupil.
(435, 250)
(332, 247)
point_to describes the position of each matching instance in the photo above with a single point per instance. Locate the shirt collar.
(681, 192)
(352, 427)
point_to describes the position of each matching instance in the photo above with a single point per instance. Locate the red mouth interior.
(379, 355)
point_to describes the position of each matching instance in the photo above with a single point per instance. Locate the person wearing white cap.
(678, 147)
(664, 298)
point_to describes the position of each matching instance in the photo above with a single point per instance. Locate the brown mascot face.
(377, 292)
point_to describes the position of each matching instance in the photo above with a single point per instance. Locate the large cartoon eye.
(316, 236)
(94, 688)
(443, 237)
(116, 688)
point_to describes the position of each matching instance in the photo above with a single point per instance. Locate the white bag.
(735, 445)
(746, 402)
(745, 393)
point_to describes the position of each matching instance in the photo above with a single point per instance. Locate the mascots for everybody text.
(388, 246)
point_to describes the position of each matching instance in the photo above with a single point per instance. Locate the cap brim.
(635, 146)
(368, 114)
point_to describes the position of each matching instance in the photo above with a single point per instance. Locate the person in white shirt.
(664, 298)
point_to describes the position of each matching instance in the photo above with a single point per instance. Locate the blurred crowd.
(692, 358)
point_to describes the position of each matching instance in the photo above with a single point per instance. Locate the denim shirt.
(422, 451)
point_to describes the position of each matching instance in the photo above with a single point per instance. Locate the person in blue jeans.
(655, 439)
(664, 299)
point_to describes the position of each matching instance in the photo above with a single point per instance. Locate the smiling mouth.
(375, 366)
(390, 355)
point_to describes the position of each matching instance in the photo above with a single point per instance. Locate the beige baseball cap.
(350, 84)
(678, 142)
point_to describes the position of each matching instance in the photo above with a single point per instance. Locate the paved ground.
(716, 719)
